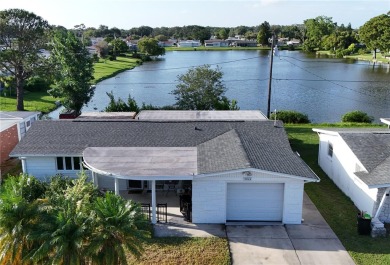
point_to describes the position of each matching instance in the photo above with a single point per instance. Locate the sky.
(126, 14)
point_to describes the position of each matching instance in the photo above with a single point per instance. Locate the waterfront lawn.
(337, 209)
(43, 102)
(105, 68)
(180, 250)
(33, 101)
(368, 57)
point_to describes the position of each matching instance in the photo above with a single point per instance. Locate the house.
(358, 161)
(188, 43)
(239, 169)
(13, 127)
(216, 43)
(244, 43)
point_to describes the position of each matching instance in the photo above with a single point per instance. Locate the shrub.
(36, 83)
(357, 116)
(290, 116)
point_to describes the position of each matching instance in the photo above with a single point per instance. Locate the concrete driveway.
(312, 242)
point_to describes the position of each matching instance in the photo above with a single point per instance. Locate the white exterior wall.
(45, 167)
(341, 167)
(209, 196)
(108, 183)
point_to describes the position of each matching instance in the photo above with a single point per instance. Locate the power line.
(332, 94)
(332, 82)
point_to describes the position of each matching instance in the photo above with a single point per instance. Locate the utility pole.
(270, 77)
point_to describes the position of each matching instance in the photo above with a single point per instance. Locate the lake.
(322, 88)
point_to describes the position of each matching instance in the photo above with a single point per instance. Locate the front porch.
(169, 197)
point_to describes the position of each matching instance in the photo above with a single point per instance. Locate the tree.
(149, 46)
(117, 226)
(18, 217)
(121, 106)
(264, 33)
(102, 48)
(316, 30)
(119, 46)
(201, 88)
(375, 33)
(73, 71)
(23, 34)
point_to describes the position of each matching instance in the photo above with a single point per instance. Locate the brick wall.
(8, 140)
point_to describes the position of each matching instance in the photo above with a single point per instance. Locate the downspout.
(24, 165)
(382, 202)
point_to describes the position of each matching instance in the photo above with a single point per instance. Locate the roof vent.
(197, 129)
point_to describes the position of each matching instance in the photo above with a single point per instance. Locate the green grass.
(33, 101)
(105, 68)
(179, 250)
(368, 57)
(43, 102)
(337, 209)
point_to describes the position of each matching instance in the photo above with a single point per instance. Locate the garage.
(254, 201)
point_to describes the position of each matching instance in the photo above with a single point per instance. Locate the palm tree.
(18, 219)
(118, 225)
(67, 225)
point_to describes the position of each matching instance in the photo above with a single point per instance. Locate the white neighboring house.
(358, 161)
(216, 43)
(239, 168)
(188, 43)
(13, 127)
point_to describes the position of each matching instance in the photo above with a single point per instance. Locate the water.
(322, 88)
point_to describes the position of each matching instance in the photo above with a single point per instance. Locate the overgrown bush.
(357, 116)
(290, 116)
(36, 83)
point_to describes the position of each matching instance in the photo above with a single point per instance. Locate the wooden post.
(270, 78)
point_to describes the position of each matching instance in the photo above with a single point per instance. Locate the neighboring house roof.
(221, 145)
(16, 115)
(386, 121)
(372, 148)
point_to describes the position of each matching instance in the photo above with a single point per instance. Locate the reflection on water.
(323, 88)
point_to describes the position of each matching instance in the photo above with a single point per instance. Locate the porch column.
(154, 202)
(95, 179)
(116, 186)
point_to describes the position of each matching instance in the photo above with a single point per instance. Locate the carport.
(141, 163)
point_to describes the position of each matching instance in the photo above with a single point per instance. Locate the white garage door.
(254, 202)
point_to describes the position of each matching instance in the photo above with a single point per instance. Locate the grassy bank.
(380, 58)
(43, 102)
(368, 57)
(337, 209)
(105, 69)
(179, 250)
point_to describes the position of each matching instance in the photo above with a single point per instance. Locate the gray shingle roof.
(261, 144)
(373, 151)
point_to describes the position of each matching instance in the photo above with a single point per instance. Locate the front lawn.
(180, 250)
(337, 209)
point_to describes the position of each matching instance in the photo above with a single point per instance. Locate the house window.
(68, 163)
(330, 149)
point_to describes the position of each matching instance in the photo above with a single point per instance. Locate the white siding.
(209, 196)
(108, 183)
(45, 167)
(41, 167)
(341, 167)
